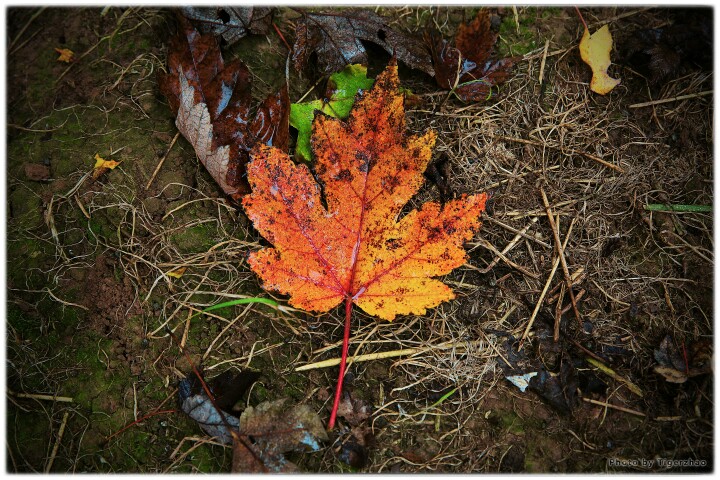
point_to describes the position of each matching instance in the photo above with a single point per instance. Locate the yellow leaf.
(66, 55)
(102, 166)
(102, 163)
(595, 51)
(177, 273)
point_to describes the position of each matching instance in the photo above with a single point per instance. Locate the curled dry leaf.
(336, 38)
(212, 101)
(466, 68)
(595, 51)
(232, 23)
(356, 250)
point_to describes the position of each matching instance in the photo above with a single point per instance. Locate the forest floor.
(89, 301)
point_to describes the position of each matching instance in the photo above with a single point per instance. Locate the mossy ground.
(87, 298)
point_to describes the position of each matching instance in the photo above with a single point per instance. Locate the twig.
(509, 246)
(616, 407)
(542, 62)
(558, 314)
(600, 23)
(502, 256)
(561, 254)
(522, 232)
(547, 285)
(610, 372)
(561, 149)
(162, 160)
(57, 442)
(38, 396)
(671, 99)
(331, 362)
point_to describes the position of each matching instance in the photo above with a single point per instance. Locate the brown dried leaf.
(212, 102)
(275, 429)
(336, 38)
(466, 68)
(232, 23)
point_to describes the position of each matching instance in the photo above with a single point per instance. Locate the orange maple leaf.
(356, 249)
(66, 55)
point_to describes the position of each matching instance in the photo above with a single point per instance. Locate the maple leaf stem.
(343, 361)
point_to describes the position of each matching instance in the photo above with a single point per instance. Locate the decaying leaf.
(227, 389)
(466, 68)
(338, 100)
(595, 51)
(336, 39)
(232, 23)
(356, 250)
(37, 172)
(102, 166)
(677, 365)
(212, 101)
(66, 55)
(275, 429)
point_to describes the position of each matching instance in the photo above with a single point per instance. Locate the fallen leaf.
(338, 100)
(273, 429)
(232, 23)
(521, 381)
(336, 39)
(102, 166)
(354, 410)
(676, 365)
(177, 273)
(66, 55)
(227, 388)
(356, 250)
(212, 101)
(595, 51)
(466, 68)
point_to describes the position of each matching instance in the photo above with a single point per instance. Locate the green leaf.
(341, 91)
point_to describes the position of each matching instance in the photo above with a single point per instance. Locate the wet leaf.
(466, 68)
(273, 429)
(677, 366)
(66, 55)
(356, 250)
(227, 389)
(232, 23)
(595, 51)
(337, 102)
(212, 102)
(336, 39)
(36, 172)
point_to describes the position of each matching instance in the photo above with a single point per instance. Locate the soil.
(91, 307)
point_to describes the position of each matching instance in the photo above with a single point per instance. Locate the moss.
(517, 39)
(198, 238)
